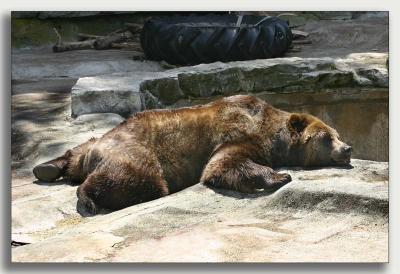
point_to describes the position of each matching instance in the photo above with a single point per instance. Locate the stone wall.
(364, 125)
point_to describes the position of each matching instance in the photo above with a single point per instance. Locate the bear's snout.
(341, 154)
(346, 153)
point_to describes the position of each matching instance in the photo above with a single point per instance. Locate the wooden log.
(116, 31)
(66, 46)
(296, 26)
(58, 36)
(133, 27)
(167, 65)
(127, 45)
(61, 46)
(301, 42)
(296, 49)
(116, 39)
(85, 36)
(298, 34)
(105, 42)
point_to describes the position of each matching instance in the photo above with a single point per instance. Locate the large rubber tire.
(189, 40)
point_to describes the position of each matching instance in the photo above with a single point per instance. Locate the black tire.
(189, 40)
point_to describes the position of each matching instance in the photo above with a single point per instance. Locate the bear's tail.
(85, 204)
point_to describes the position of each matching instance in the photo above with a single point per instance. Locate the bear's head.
(317, 143)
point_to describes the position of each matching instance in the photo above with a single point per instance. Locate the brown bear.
(233, 143)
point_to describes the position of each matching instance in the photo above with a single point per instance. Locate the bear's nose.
(347, 149)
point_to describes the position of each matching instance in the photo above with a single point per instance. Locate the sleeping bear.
(233, 143)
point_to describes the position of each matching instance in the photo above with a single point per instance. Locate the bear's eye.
(327, 140)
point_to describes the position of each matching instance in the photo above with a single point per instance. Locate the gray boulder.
(108, 93)
(273, 75)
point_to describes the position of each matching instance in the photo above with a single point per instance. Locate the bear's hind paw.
(47, 172)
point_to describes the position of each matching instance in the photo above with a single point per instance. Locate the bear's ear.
(297, 123)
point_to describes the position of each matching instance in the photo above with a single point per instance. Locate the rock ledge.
(330, 214)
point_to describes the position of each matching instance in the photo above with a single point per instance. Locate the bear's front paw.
(284, 178)
(86, 208)
(278, 180)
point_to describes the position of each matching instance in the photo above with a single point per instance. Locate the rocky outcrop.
(307, 220)
(108, 93)
(272, 75)
(281, 75)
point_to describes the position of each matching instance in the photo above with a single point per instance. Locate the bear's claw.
(286, 178)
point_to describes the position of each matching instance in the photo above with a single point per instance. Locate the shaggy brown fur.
(231, 143)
